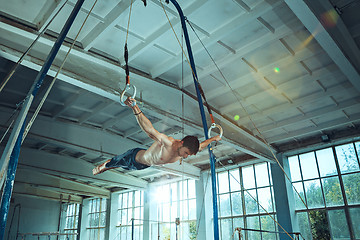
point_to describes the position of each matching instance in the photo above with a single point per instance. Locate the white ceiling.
(314, 44)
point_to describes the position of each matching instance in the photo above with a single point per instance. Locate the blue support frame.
(203, 118)
(20, 122)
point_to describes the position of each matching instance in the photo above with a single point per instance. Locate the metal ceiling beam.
(343, 87)
(75, 168)
(331, 109)
(266, 39)
(340, 32)
(243, 5)
(307, 80)
(343, 121)
(185, 169)
(26, 190)
(70, 101)
(355, 31)
(58, 184)
(255, 76)
(76, 137)
(150, 174)
(66, 76)
(150, 40)
(344, 53)
(241, 20)
(108, 23)
(98, 108)
(134, 130)
(227, 154)
(290, 85)
(116, 119)
(47, 12)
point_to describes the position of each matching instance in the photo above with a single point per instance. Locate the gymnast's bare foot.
(101, 168)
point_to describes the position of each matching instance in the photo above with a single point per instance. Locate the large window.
(97, 219)
(70, 220)
(245, 196)
(328, 182)
(130, 208)
(176, 201)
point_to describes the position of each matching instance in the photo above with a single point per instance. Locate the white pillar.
(112, 218)
(284, 197)
(200, 207)
(84, 234)
(208, 206)
(146, 217)
(153, 213)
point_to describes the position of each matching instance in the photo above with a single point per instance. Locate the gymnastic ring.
(214, 125)
(127, 87)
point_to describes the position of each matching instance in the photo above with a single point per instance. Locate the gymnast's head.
(192, 143)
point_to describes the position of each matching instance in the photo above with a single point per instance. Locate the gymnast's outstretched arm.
(205, 143)
(145, 123)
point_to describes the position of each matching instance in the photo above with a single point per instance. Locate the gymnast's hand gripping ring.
(214, 125)
(127, 87)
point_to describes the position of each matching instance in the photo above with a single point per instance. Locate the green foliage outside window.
(314, 194)
(339, 227)
(193, 230)
(319, 225)
(352, 188)
(324, 191)
(332, 191)
(165, 232)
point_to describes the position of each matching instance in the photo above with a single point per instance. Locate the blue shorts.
(127, 161)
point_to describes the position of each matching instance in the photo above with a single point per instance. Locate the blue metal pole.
(9, 183)
(14, 142)
(132, 228)
(203, 118)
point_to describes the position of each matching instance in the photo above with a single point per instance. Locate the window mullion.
(133, 205)
(243, 201)
(257, 200)
(346, 207)
(302, 182)
(340, 177)
(320, 178)
(356, 154)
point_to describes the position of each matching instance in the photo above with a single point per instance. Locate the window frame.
(260, 213)
(339, 175)
(182, 202)
(75, 215)
(138, 223)
(99, 230)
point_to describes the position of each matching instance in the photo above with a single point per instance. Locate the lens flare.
(277, 70)
(329, 18)
(236, 117)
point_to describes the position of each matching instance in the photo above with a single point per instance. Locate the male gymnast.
(164, 150)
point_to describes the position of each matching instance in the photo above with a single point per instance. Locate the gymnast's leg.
(101, 168)
(125, 161)
(117, 161)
